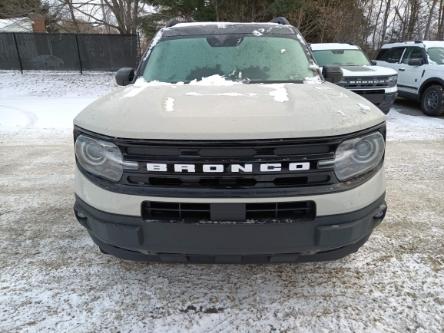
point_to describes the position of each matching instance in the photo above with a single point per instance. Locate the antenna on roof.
(280, 20)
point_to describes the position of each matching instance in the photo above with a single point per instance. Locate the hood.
(363, 71)
(229, 112)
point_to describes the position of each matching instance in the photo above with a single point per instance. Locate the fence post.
(138, 49)
(78, 54)
(18, 53)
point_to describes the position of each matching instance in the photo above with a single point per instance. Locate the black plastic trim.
(229, 259)
(405, 86)
(429, 81)
(324, 238)
(408, 95)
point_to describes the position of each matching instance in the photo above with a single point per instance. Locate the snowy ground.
(32, 108)
(54, 279)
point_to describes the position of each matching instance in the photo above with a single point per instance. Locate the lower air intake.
(286, 212)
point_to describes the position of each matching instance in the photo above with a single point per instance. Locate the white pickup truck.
(420, 67)
(375, 83)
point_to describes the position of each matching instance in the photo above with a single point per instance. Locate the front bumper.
(382, 100)
(324, 238)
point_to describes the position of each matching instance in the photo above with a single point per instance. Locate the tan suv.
(227, 145)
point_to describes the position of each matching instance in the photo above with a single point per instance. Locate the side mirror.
(373, 62)
(125, 76)
(332, 74)
(416, 62)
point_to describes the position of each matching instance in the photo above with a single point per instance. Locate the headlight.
(392, 80)
(99, 157)
(357, 156)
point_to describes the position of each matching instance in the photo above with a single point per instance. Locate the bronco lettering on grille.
(229, 168)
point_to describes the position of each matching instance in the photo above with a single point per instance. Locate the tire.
(432, 101)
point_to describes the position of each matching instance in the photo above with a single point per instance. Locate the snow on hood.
(213, 109)
(141, 85)
(214, 80)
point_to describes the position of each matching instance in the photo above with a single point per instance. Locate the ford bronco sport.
(226, 145)
(376, 83)
(420, 67)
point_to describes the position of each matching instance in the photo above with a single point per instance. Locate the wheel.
(432, 101)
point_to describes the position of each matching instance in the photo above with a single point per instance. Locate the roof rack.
(280, 20)
(172, 22)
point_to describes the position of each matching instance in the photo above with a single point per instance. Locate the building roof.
(19, 24)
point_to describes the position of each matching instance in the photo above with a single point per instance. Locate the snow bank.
(44, 104)
(406, 122)
(54, 84)
(40, 113)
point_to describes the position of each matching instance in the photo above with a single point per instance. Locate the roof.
(333, 46)
(426, 43)
(19, 24)
(214, 28)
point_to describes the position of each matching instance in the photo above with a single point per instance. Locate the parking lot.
(54, 279)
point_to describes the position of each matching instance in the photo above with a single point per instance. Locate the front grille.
(192, 212)
(230, 182)
(285, 182)
(256, 152)
(370, 92)
(304, 210)
(365, 82)
(175, 210)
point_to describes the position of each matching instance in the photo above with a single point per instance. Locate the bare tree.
(124, 13)
(414, 7)
(440, 32)
(72, 15)
(429, 19)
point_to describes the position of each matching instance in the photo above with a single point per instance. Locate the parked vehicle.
(420, 67)
(375, 83)
(226, 145)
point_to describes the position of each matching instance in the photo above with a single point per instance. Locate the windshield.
(341, 57)
(436, 54)
(235, 57)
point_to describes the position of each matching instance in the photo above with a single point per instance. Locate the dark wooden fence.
(67, 52)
